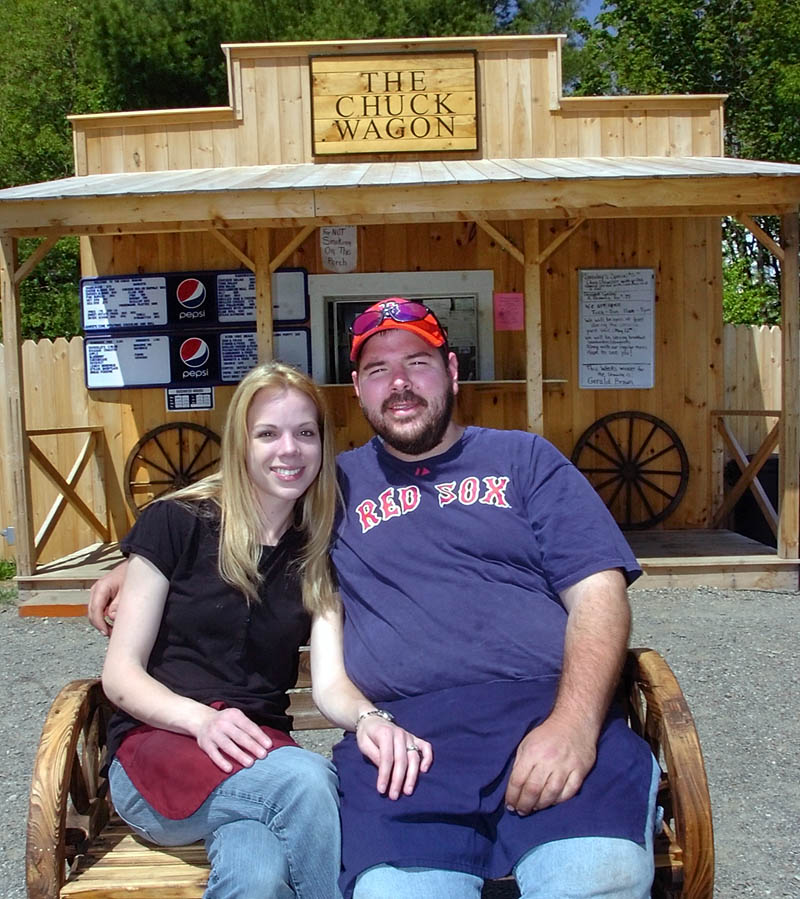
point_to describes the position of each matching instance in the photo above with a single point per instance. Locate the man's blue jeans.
(582, 868)
(271, 831)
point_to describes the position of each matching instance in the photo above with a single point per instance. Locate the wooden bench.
(78, 847)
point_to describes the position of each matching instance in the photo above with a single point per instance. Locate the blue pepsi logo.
(191, 293)
(194, 352)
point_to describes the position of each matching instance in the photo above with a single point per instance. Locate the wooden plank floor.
(720, 558)
(711, 558)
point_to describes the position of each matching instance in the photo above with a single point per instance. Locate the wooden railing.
(94, 447)
(749, 468)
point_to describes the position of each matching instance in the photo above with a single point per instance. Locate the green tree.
(747, 49)
(43, 78)
(78, 56)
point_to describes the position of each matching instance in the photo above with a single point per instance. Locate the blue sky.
(591, 8)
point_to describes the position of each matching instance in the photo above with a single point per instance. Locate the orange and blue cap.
(396, 313)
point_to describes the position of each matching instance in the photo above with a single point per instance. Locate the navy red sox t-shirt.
(450, 570)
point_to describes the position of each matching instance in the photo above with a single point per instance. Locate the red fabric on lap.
(172, 772)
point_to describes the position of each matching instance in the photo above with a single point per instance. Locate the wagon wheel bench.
(78, 847)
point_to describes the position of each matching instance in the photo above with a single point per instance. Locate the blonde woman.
(222, 582)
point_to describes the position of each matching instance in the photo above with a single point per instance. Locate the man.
(484, 592)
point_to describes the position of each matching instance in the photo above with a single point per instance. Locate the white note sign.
(617, 328)
(339, 248)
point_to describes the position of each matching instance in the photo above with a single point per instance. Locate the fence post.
(17, 460)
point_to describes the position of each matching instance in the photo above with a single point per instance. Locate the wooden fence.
(56, 398)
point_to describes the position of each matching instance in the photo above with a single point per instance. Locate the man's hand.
(387, 746)
(550, 765)
(103, 599)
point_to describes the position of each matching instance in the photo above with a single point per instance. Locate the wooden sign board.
(394, 103)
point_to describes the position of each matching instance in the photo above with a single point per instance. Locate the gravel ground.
(734, 653)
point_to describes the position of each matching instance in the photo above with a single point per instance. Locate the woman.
(223, 580)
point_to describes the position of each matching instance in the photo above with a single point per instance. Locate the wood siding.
(522, 114)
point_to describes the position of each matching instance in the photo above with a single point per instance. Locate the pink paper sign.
(509, 312)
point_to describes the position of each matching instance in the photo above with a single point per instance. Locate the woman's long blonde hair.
(231, 489)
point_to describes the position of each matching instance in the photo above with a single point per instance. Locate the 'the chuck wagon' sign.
(394, 103)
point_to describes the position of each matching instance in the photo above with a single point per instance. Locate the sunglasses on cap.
(396, 312)
(399, 312)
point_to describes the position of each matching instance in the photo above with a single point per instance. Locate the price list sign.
(617, 328)
(236, 297)
(114, 362)
(110, 303)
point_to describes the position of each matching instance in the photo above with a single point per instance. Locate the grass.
(8, 590)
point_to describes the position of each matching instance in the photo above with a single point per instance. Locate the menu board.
(186, 299)
(238, 354)
(113, 362)
(192, 328)
(109, 303)
(294, 348)
(617, 328)
(236, 297)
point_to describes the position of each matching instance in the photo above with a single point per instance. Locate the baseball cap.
(396, 313)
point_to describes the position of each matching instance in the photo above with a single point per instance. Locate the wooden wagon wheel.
(167, 458)
(657, 710)
(69, 801)
(638, 465)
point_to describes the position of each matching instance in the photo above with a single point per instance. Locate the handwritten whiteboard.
(617, 328)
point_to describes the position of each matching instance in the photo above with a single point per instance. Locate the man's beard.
(426, 432)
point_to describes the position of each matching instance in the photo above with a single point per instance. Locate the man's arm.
(104, 597)
(554, 758)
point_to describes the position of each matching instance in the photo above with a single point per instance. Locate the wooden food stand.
(467, 180)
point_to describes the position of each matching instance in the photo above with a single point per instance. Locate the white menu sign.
(126, 361)
(617, 328)
(124, 302)
(238, 353)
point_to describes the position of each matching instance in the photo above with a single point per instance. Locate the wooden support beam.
(789, 477)
(233, 249)
(262, 246)
(501, 239)
(35, 258)
(299, 239)
(760, 235)
(533, 328)
(17, 442)
(557, 241)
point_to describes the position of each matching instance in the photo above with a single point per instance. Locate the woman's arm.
(383, 742)
(128, 685)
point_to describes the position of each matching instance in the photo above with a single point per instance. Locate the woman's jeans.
(581, 868)
(271, 831)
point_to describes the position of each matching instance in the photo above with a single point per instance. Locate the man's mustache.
(407, 396)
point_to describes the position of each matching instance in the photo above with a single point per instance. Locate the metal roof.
(310, 176)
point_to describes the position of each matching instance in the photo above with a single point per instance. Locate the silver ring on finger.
(413, 748)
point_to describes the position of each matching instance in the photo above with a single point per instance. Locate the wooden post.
(533, 328)
(17, 442)
(262, 253)
(789, 492)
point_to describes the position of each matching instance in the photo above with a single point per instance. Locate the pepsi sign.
(195, 359)
(192, 299)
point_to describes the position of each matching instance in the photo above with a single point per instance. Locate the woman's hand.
(231, 732)
(398, 755)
